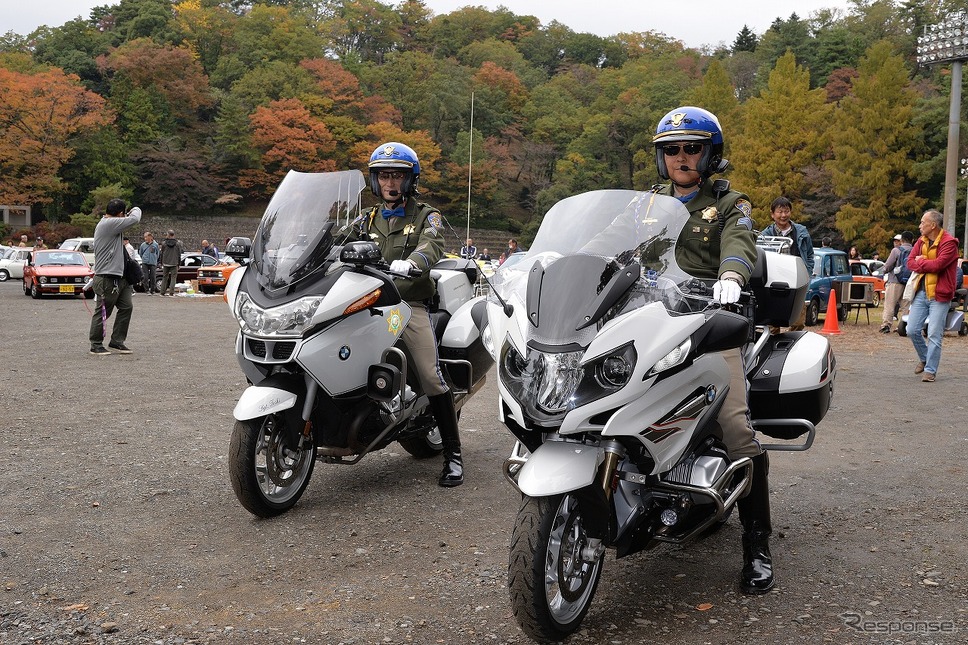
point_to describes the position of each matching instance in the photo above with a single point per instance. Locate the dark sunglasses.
(386, 176)
(688, 148)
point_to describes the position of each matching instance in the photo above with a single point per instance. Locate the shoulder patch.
(360, 218)
(745, 207)
(434, 220)
(745, 222)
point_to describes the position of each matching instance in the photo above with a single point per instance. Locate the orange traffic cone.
(830, 324)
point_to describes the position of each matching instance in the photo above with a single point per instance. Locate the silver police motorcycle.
(611, 378)
(319, 341)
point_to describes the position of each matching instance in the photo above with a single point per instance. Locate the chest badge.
(394, 322)
(710, 214)
(408, 229)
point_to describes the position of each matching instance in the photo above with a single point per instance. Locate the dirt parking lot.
(118, 523)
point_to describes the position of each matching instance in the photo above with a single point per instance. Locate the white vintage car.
(83, 244)
(12, 263)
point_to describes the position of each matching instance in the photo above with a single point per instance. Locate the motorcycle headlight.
(290, 319)
(676, 357)
(542, 382)
(605, 375)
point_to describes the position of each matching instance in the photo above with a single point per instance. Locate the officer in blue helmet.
(410, 236)
(718, 243)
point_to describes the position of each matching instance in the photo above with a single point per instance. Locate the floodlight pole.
(954, 137)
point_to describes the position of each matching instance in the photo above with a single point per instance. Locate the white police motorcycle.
(319, 343)
(611, 379)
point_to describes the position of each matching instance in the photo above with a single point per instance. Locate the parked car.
(861, 271)
(56, 272)
(876, 266)
(830, 266)
(12, 263)
(83, 244)
(239, 249)
(214, 277)
(188, 267)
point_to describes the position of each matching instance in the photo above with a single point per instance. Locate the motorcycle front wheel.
(267, 476)
(551, 585)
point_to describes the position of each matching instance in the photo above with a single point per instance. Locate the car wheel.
(842, 313)
(876, 302)
(35, 292)
(813, 312)
(4, 275)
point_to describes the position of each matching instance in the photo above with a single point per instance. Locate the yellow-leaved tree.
(873, 146)
(783, 132)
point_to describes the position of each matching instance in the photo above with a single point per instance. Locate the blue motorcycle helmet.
(394, 156)
(690, 123)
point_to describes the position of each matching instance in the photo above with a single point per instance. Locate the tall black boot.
(754, 514)
(442, 407)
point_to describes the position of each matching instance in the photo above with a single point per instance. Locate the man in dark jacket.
(171, 252)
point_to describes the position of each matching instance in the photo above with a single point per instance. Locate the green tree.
(873, 146)
(745, 40)
(783, 132)
(717, 94)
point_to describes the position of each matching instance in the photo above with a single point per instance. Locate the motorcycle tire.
(551, 589)
(268, 479)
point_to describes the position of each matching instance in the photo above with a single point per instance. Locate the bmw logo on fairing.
(710, 394)
(344, 352)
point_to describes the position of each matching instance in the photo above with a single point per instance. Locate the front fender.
(559, 467)
(258, 401)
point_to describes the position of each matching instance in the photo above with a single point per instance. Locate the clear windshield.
(619, 226)
(295, 235)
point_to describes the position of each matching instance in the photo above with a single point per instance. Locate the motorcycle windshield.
(617, 226)
(295, 236)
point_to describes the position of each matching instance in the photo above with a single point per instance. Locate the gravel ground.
(118, 523)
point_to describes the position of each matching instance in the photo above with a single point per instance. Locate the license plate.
(67, 288)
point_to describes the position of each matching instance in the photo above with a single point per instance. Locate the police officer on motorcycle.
(718, 243)
(410, 237)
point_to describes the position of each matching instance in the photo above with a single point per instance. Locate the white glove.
(401, 267)
(726, 291)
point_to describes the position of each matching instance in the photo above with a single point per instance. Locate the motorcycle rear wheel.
(551, 587)
(268, 478)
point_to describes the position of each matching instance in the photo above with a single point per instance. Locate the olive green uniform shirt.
(416, 237)
(701, 250)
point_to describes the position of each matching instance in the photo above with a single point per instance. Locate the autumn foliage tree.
(873, 146)
(289, 138)
(39, 115)
(784, 131)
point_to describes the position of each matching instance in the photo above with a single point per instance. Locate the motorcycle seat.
(438, 322)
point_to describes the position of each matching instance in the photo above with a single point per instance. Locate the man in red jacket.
(934, 259)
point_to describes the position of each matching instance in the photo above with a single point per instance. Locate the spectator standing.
(802, 246)
(934, 258)
(128, 248)
(895, 277)
(110, 288)
(171, 252)
(468, 251)
(209, 249)
(485, 256)
(150, 253)
(39, 244)
(23, 241)
(853, 254)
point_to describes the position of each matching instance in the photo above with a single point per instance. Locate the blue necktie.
(396, 212)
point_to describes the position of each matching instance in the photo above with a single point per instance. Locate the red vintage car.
(57, 272)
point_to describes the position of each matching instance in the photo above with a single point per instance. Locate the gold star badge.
(710, 214)
(408, 229)
(394, 322)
